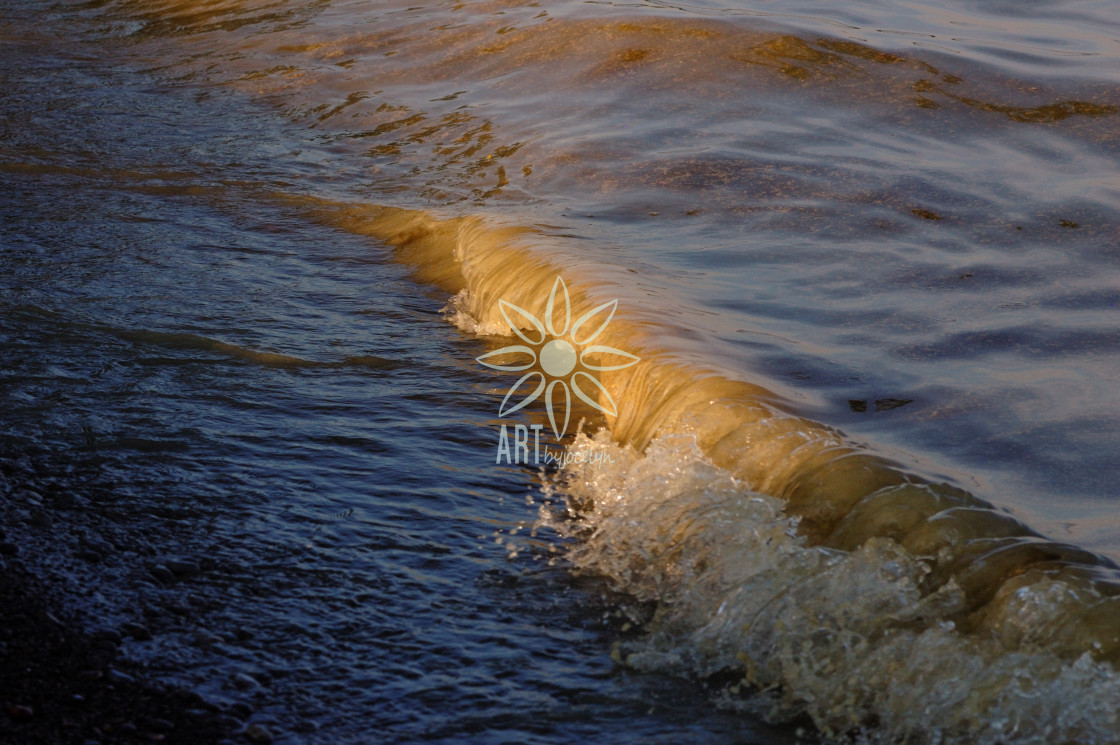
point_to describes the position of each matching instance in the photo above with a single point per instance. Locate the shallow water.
(231, 234)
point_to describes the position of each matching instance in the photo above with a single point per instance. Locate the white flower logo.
(559, 357)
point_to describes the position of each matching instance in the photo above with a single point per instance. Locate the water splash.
(849, 638)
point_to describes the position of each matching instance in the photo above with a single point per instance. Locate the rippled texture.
(196, 378)
(949, 217)
(229, 228)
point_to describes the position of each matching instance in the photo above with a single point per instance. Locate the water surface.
(231, 235)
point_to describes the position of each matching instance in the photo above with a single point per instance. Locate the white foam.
(457, 313)
(847, 638)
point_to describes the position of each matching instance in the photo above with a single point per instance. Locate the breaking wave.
(831, 581)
